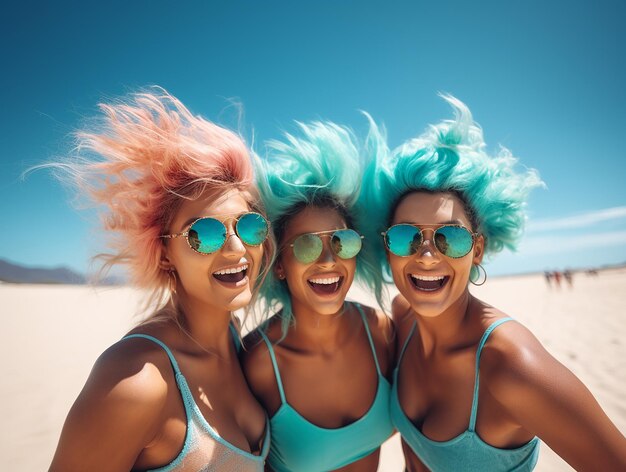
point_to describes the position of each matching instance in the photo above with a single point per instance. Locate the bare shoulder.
(380, 325)
(130, 374)
(548, 400)
(119, 411)
(272, 330)
(255, 357)
(383, 334)
(513, 358)
(402, 316)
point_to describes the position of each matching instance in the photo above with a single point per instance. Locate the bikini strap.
(369, 337)
(181, 382)
(483, 340)
(279, 381)
(160, 343)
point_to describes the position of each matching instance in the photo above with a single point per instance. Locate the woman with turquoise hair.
(473, 390)
(320, 365)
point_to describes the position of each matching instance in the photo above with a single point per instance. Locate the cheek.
(290, 264)
(256, 257)
(350, 265)
(463, 266)
(396, 263)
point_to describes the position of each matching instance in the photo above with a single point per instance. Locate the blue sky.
(543, 78)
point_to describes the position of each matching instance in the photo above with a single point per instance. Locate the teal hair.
(320, 168)
(449, 157)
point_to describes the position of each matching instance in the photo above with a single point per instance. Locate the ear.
(165, 263)
(479, 249)
(279, 270)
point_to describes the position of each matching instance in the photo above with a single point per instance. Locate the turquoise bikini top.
(467, 451)
(204, 449)
(299, 445)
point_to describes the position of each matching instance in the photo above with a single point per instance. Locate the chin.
(241, 300)
(328, 308)
(427, 308)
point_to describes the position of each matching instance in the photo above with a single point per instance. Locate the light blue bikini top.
(466, 452)
(299, 445)
(204, 450)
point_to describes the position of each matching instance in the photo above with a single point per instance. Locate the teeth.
(232, 270)
(427, 278)
(327, 281)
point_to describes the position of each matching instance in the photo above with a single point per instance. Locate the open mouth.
(428, 283)
(325, 285)
(232, 275)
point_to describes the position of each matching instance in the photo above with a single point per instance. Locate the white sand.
(51, 335)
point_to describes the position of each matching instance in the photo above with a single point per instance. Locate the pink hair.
(151, 153)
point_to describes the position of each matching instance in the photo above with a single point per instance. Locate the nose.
(233, 246)
(327, 257)
(427, 253)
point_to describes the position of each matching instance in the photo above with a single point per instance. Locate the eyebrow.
(193, 219)
(448, 222)
(188, 222)
(319, 232)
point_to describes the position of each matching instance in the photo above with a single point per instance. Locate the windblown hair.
(449, 157)
(320, 169)
(146, 156)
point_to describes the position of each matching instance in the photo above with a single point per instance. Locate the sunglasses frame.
(228, 235)
(319, 234)
(434, 227)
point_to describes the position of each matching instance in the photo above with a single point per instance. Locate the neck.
(445, 330)
(315, 329)
(204, 327)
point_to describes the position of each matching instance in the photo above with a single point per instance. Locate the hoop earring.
(482, 279)
(171, 280)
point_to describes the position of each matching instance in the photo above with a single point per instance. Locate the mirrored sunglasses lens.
(403, 240)
(307, 248)
(346, 243)
(453, 241)
(207, 235)
(252, 229)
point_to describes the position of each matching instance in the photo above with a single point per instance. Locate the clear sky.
(545, 79)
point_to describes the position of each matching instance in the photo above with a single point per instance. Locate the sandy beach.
(51, 335)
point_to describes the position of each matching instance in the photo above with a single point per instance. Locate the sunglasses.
(345, 243)
(207, 235)
(452, 241)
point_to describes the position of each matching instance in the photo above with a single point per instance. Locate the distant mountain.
(14, 273)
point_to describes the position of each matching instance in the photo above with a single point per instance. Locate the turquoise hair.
(321, 168)
(449, 157)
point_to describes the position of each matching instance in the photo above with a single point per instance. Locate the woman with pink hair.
(184, 218)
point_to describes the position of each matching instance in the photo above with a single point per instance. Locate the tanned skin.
(524, 391)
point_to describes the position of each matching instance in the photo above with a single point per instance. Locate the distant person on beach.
(320, 365)
(184, 218)
(569, 277)
(473, 389)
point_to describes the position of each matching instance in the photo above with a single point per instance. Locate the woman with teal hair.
(320, 365)
(473, 390)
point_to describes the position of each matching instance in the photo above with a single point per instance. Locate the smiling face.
(320, 286)
(225, 278)
(431, 282)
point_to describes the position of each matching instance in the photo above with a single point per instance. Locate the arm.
(550, 401)
(117, 414)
